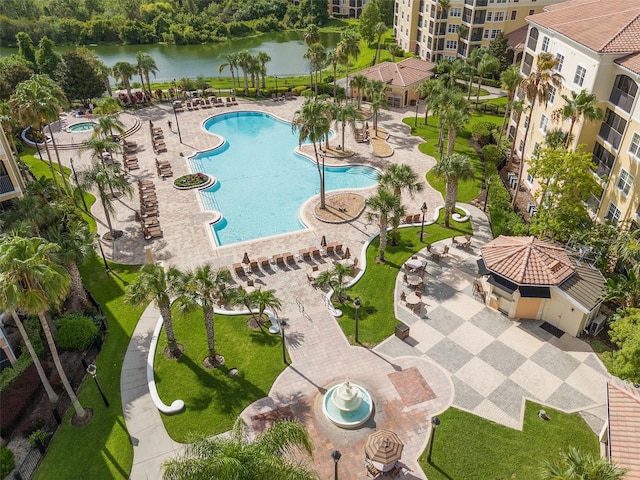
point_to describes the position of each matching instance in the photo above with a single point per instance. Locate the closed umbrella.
(347, 253)
(245, 259)
(323, 242)
(384, 447)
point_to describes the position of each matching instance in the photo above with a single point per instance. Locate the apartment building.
(11, 181)
(422, 27)
(597, 43)
(350, 8)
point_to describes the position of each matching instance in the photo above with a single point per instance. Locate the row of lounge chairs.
(130, 159)
(282, 96)
(157, 139)
(464, 245)
(149, 215)
(163, 167)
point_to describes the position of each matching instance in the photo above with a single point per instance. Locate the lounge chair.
(338, 249)
(408, 219)
(264, 262)
(152, 232)
(305, 253)
(234, 101)
(238, 268)
(228, 102)
(416, 218)
(288, 257)
(329, 249)
(315, 252)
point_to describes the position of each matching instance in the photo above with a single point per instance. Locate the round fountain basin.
(81, 127)
(348, 418)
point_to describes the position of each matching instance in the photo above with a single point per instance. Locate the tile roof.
(586, 286)
(624, 428)
(605, 26)
(516, 39)
(630, 62)
(402, 74)
(527, 260)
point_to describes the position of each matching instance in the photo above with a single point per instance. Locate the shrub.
(7, 461)
(75, 331)
(38, 435)
(298, 89)
(491, 156)
(504, 221)
(482, 132)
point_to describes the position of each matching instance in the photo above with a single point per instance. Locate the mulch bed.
(340, 208)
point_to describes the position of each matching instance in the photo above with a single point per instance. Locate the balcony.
(609, 135)
(5, 185)
(621, 99)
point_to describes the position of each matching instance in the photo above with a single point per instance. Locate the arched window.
(532, 43)
(623, 92)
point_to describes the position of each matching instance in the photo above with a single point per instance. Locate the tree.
(47, 59)
(13, 70)
(379, 29)
(349, 46)
(315, 55)
(447, 101)
(488, 65)
(556, 138)
(626, 248)
(510, 80)
(566, 183)
(107, 106)
(382, 206)
(517, 107)
(624, 331)
(335, 279)
(107, 123)
(624, 289)
(368, 20)
(233, 456)
(359, 82)
(244, 59)
(204, 287)
(443, 12)
(311, 34)
(264, 299)
(401, 177)
(157, 285)
(578, 106)
(343, 115)
(32, 282)
(576, 465)
(26, 49)
(145, 64)
(499, 48)
(537, 88)
(263, 58)
(395, 50)
(430, 91)
(376, 89)
(78, 78)
(122, 72)
(455, 117)
(232, 64)
(103, 72)
(451, 169)
(333, 58)
(472, 66)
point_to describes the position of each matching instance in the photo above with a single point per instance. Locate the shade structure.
(245, 259)
(347, 253)
(384, 446)
(323, 242)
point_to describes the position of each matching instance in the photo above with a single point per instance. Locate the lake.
(286, 50)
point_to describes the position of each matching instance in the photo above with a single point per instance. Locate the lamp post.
(276, 84)
(75, 179)
(284, 346)
(336, 455)
(104, 259)
(486, 197)
(435, 421)
(175, 114)
(93, 371)
(417, 104)
(424, 209)
(356, 304)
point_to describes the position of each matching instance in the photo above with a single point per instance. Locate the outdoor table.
(414, 280)
(413, 264)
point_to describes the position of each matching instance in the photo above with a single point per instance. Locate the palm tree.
(30, 281)
(264, 299)
(36, 102)
(451, 169)
(104, 72)
(401, 177)
(107, 106)
(580, 105)
(443, 12)
(626, 248)
(333, 58)
(447, 100)
(146, 64)
(472, 65)
(343, 115)
(232, 64)
(233, 456)
(349, 46)
(154, 284)
(430, 91)
(537, 88)
(313, 123)
(107, 124)
(359, 82)
(395, 50)
(510, 80)
(311, 34)
(376, 89)
(576, 465)
(379, 29)
(106, 177)
(8, 124)
(98, 145)
(315, 54)
(517, 107)
(123, 71)
(243, 60)
(335, 277)
(488, 65)
(204, 287)
(382, 206)
(455, 117)
(263, 58)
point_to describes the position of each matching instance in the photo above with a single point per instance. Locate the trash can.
(402, 331)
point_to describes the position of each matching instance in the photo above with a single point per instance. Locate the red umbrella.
(245, 259)
(323, 242)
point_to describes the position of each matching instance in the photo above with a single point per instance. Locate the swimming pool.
(261, 181)
(82, 127)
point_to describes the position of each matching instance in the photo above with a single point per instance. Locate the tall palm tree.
(349, 46)
(107, 124)
(333, 58)
(37, 102)
(335, 278)
(146, 64)
(395, 50)
(379, 29)
(32, 282)
(204, 287)
(264, 299)
(231, 63)
(401, 177)
(430, 91)
(315, 54)
(243, 61)
(579, 105)
(106, 177)
(382, 206)
(576, 465)
(313, 123)
(263, 58)
(488, 65)
(311, 34)
(376, 89)
(510, 80)
(517, 107)
(98, 145)
(443, 13)
(233, 456)
(472, 65)
(122, 72)
(107, 106)
(447, 100)
(359, 82)
(343, 115)
(451, 169)
(8, 124)
(537, 88)
(104, 72)
(454, 118)
(154, 284)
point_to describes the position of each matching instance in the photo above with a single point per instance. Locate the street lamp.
(336, 455)
(175, 114)
(93, 371)
(484, 209)
(424, 209)
(104, 259)
(435, 421)
(356, 304)
(284, 346)
(276, 85)
(75, 179)
(417, 104)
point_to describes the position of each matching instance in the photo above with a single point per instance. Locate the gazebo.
(528, 278)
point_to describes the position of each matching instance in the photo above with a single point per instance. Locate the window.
(451, 45)
(578, 78)
(531, 12)
(613, 213)
(552, 94)
(603, 160)
(520, 145)
(514, 14)
(530, 179)
(623, 92)
(544, 122)
(487, 32)
(625, 180)
(489, 16)
(455, 12)
(498, 17)
(560, 59)
(532, 43)
(612, 128)
(452, 28)
(634, 149)
(495, 32)
(526, 121)
(545, 44)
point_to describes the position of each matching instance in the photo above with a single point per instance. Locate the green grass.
(468, 189)
(470, 447)
(377, 320)
(213, 399)
(500, 101)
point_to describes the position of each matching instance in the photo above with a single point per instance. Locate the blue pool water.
(262, 182)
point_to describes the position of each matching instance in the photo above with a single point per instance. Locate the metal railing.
(6, 186)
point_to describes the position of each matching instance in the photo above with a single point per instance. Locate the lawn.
(470, 447)
(377, 320)
(468, 189)
(213, 399)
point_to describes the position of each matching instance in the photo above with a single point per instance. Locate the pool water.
(262, 182)
(82, 127)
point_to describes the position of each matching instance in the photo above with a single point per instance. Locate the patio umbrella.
(347, 253)
(245, 259)
(323, 242)
(384, 446)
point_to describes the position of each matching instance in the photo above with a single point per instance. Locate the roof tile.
(402, 74)
(624, 428)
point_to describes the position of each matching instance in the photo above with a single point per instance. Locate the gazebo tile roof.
(624, 427)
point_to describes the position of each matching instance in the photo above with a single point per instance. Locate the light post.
(104, 259)
(276, 85)
(484, 209)
(417, 104)
(75, 179)
(175, 114)
(356, 305)
(93, 371)
(284, 346)
(435, 421)
(424, 209)
(336, 455)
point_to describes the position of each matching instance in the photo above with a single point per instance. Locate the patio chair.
(312, 281)
(238, 268)
(315, 252)
(288, 257)
(408, 219)
(338, 249)
(253, 265)
(416, 218)
(329, 249)
(445, 250)
(228, 102)
(305, 253)
(234, 101)
(264, 262)
(279, 260)
(403, 297)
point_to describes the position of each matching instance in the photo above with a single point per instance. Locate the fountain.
(347, 405)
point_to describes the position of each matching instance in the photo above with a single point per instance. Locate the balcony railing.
(601, 169)
(621, 99)
(5, 184)
(608, 134)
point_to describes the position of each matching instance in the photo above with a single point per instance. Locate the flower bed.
(193, 180)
